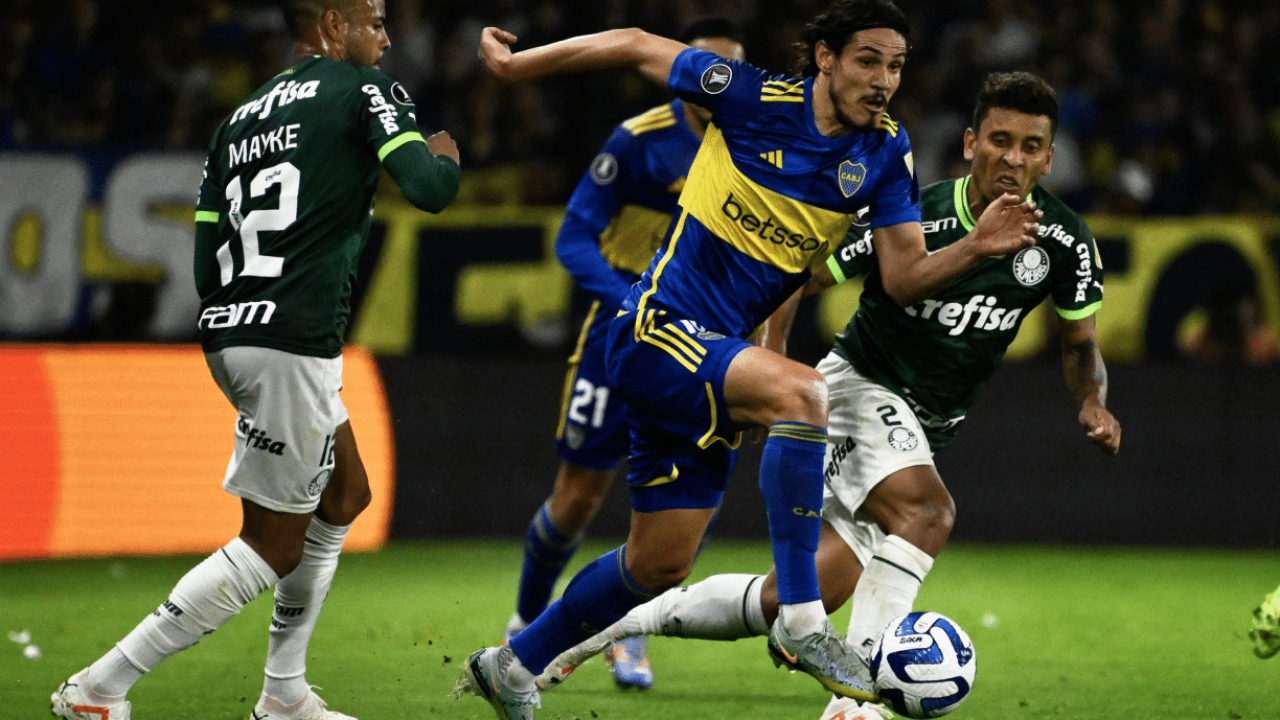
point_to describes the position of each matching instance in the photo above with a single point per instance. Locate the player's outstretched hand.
(442, 143)
(1007, 225)
(495, 52)
(1101, 427)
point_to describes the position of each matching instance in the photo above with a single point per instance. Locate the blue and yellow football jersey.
(768, 198)
(621, 209)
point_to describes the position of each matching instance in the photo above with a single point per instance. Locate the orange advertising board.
(121, 449)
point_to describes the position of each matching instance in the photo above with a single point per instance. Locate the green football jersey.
(938, 353)
(289, 181)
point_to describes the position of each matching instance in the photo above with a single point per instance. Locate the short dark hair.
(840, 21)
(709, 27)
(300, 14)
(1020, 91)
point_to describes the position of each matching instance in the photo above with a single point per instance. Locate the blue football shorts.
(671, 374)
(593, 425)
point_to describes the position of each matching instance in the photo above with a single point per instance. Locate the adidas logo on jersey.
(980, 312)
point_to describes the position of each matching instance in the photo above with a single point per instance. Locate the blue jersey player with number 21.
(784, 166)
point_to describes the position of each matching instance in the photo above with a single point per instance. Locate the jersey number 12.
(263, 219)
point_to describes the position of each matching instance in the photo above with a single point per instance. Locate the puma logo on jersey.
(980, 312)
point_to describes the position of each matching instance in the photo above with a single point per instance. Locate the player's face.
(366, 32)
(725, 48)
(862, 78)
(1009, 152)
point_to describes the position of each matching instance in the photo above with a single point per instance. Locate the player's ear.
(823, 56)
(970, 143)
(332, 26)
(1048, 163)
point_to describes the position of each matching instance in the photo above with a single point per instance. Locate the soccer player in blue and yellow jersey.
(784, 166)
(901, 382)
(614, 223)
(281, 219)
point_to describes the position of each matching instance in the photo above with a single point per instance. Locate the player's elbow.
(905, 294)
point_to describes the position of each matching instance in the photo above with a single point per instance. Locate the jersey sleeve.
(897, 197)
(1077, 282)
(730, 89)
(387, 113)
(594, 203)
(855, 255)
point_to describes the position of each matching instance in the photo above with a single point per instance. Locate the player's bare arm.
(651, 54)
(1086, 377)
(911, 273)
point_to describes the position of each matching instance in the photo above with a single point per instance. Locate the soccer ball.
(923, 665)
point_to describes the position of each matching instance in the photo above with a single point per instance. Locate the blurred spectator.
(1168, 107)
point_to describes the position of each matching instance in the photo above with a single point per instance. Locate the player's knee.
(346, 507)
(801, 396)
(929, 521)
(659, 577)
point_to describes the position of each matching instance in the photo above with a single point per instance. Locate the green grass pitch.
(1063, 633)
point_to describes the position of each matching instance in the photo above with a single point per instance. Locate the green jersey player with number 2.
(283, 211)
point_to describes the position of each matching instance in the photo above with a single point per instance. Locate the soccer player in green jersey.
(281, 219)
(901, 378)
(785, 164)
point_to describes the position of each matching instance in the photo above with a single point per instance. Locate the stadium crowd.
(1169, 107)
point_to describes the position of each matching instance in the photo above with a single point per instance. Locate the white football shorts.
(289, 411)
(872, 433)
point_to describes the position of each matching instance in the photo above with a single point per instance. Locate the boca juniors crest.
(851, 176)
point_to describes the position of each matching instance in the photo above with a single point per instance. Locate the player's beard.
(848, 122)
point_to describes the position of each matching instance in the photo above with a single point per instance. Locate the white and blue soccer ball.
(923, 665)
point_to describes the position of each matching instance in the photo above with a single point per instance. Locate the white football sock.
(722, 607)
(800, 619)
(886, 590)
(298, 600)
(206, 597)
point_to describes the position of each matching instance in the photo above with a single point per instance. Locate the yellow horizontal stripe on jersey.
(633, 237)
(1080, 314)
(397, 141)
(209, 216)
(764, 224)
(889, 124)
(654, 119)
(779, 91)
(797, 432)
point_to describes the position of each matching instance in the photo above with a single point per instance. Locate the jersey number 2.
(263, 219)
